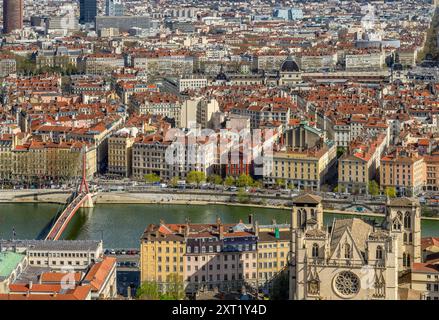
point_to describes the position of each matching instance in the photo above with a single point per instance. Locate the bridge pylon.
(83, 187)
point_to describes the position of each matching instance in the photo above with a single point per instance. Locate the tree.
(257, 184)
(374, 189)
(214, 179)
(152, 178)
(280, 182)
(391, 192)
(196, 177)
(175, 287)
(243, 196)
(244, 180)
(173, 182)
(230, 181)
(149, 290)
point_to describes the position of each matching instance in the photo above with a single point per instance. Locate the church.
(351, 258)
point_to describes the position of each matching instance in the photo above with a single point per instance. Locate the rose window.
(347, 284)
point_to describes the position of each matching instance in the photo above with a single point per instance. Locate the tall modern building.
(12, 15)
(87, 11)
(114, 8)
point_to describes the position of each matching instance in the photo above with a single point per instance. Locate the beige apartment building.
(273, 249)
(432, 172)
(120, 153)
(360, 164)
(425, 279)
(302, 169)
(403, 170)
(37, 161)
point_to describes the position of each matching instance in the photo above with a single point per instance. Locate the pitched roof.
(307, 198)
(99, 273)
(403, 202)
(358, 229)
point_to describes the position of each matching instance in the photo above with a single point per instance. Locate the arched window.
(407, 220)
(347, 251)
(303, 217)
(406, 259)
(315, 250)
(405, 237)
(379, 253)
(410, 237)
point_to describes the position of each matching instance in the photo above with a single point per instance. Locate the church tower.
(403, 218)
(307, 214)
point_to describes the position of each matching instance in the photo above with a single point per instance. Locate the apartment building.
(164, 63)
(120, 152)
(172, 158)
(305, 169)
(425, 279)
(38, 161)
(360, 164)
(273, 249)
(403, 170)
(162, 255)
(204, 256)
(432, 172)
(8, 65)
(167, 105)
(100, 63)
(205, 109)
(365, 61)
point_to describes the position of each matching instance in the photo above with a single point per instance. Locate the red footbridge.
(81, 198)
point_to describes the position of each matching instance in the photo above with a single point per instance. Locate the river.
(121, 225)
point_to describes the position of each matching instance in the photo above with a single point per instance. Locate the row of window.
(61, 263)
(60, 254)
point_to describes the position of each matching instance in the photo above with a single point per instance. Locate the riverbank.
(122, 225)
(181, 198)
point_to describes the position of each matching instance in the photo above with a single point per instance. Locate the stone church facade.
(352, 258)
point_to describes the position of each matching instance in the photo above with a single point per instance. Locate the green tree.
(215, 179)
(173, 182)
(257, 184)
(152, 178)
(244, 180)
(374, 189)
(391, 192)
(175, 288)
(196, 177)
(243, 196)
(149, 290)
(280, 183)
(230, 181)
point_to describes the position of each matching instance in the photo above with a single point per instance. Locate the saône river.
(121, 225)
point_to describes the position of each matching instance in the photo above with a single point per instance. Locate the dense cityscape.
(291, 146)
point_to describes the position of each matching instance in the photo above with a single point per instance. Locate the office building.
(87, 11)
(12, 15)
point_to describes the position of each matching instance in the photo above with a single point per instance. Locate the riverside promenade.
(195, 197)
